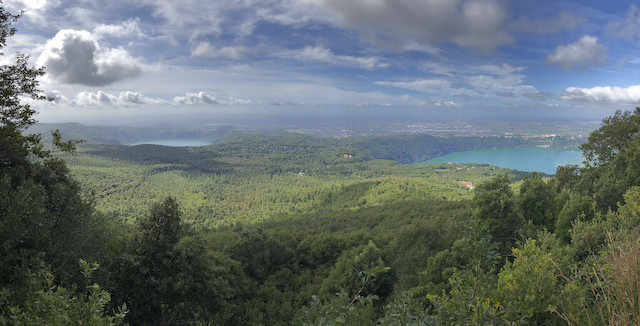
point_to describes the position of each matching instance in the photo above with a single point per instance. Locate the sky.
(524, 57)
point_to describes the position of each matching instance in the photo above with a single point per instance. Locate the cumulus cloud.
(604, 95)
(202, 98)
(323, 54)
(75, 57)
(57, 96)
(564, 21)
(204, 49)
(582, 54)
(446, 104)
(100, 98)
(193, 98)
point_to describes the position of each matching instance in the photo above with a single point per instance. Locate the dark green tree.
(611, 164)
(167, 276)
(345, 275)
(579, 207)
(259, 254)
(495, 204)
(612, 138)
(46, 225)
(567, 176)
(536, 201)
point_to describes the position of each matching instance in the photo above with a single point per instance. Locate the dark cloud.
(538, 95)
(75, 57)
(476, 25)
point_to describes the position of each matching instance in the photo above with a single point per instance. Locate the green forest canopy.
(287, 229)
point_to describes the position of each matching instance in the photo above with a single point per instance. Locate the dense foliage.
(277, 228)
(46, 226)
(274, 228)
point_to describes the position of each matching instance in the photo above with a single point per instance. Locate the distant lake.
(177, 142)
(539, 159)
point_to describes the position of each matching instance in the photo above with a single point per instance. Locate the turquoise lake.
(539, 159)
(177, 142)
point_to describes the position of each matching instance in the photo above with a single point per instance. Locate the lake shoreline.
(525, 158)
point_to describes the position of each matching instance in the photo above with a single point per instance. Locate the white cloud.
(604, 95)
(432, 86)
(446, 104)
(627, 29)
(128, 97)
(100, 98)
(203, 99)
(204, 49)
(512, 83)
(35, 10)
(128, 28)
(193, 98)
(582, 54)
(57, 96)
(325, 55)
(75, 57)
(421, 85)
(469, 80)
(498, 69)
(564, 21)
(93, 99)
(426, 48)
(198, 17)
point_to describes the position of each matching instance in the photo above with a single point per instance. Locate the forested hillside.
(279, 229)
(251, 177)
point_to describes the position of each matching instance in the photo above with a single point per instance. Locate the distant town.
(549, 133)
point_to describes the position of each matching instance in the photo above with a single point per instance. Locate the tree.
(50, 304)
(536, 201)
(472, 281)
(345, 275)
(496, 205)
(17, 80)
(578, 207)
(611, 138)
(529, 285)
(167, 276)
(611, 158)
(46, 225)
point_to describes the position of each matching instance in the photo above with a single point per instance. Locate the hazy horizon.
(306, 116)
